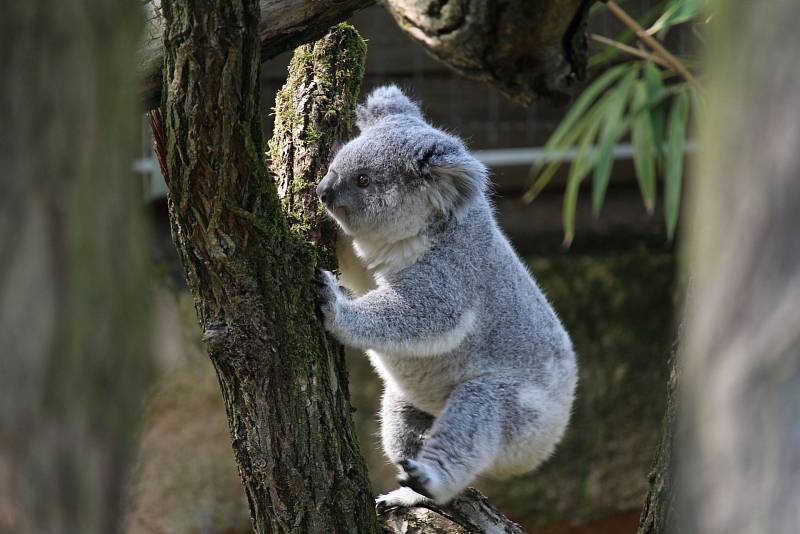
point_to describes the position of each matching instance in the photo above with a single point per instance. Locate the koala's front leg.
(401, 319)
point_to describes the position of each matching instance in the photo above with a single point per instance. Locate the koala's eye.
(362, 180)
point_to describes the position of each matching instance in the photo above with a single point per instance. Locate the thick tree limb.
(283, 25)
(526, 48)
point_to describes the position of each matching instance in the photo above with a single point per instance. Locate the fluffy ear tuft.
(454, 176)
(382, 102)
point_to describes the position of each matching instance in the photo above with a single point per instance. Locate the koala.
(479, 372)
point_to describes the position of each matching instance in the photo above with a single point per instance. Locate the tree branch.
(469, 512)
(284, 24)
(525, 48)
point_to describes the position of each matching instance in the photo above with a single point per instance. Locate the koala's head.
(400, 174)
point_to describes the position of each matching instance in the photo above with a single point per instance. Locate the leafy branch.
(651, 98)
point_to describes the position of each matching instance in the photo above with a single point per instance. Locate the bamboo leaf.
(555, 144)
(673, 175)
(613, 128)
(655, 85)
(643, 147)
(677, 12)
(581, 165)
(698, 107)
(571, 138)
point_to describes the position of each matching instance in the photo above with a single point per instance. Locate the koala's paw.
(426, 480)
(328, 293)
(399, 498)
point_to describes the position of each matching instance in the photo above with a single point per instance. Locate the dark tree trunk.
(739, 461)
(657, 514)
(283, 382)
(74, 358)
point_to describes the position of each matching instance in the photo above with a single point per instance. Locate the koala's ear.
(453, 175)
(384, 101)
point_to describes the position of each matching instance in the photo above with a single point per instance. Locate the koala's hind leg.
(403, 429)
(464, 441)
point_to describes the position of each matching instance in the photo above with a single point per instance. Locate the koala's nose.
(325, 189)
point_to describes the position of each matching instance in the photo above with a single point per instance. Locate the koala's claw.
(381, 506)
(399, 498)
(414, 478)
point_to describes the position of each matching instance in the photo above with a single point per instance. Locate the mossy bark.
(283, 382)
(284, 25)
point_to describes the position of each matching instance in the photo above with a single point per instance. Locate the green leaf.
(592, 117)
(613, 128)
(699, 106)
(673, 175)
(581, 165)
(677, 12)
(655, 86)
(581, 105)
(644, 147)
(584, 111)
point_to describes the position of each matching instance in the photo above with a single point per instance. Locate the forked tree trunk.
(284, 383)
(250, 266)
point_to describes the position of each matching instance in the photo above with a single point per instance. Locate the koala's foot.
(401, 497)
(426, 480)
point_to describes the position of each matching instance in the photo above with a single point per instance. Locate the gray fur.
(479, 373)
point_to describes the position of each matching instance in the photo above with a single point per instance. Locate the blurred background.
(614, 288)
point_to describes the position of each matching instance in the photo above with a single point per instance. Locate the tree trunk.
(739, 458)
(659, 505)
(283, 25)
(74, 360)
(283, 382)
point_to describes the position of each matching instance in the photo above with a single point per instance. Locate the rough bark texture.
(470, 512)
(74, 362)
(284, 24)
(526, 48)
(283, 383)
(739, 458)
(659, 505)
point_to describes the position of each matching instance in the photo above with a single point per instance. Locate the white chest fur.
(384, 258)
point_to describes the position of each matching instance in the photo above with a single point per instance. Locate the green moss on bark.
(251, 269)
